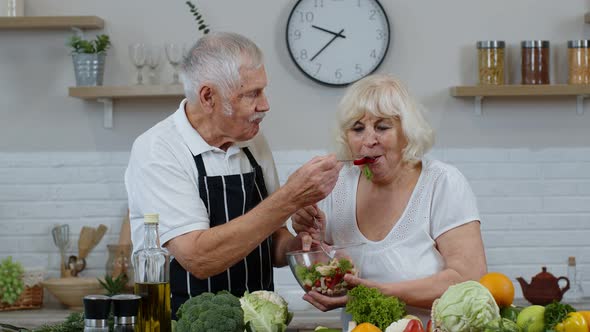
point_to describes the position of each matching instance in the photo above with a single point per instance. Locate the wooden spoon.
(85, 242)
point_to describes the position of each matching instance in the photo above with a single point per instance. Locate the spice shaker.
(96, 313)
(490, 60)
(535, 61)
(125, 307)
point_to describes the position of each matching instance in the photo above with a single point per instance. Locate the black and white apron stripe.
(226, 198)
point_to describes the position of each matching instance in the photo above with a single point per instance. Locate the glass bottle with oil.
(152, 280)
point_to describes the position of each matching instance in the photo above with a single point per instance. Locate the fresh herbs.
(74, 323)
(11, 283)
(114, 286)
(367, 172)
(369, 305)
(99, 45)
(198, 17)
(555, 313)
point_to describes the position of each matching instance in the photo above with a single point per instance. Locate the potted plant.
(89, 58)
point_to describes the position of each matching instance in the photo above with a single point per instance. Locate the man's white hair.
(216, 59)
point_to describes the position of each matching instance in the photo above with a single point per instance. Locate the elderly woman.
(417, 216)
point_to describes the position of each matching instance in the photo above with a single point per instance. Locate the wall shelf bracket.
(477, 105)
(580, 104)
(108, 111)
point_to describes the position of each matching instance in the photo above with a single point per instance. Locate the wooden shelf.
(51, 22)
(565, 90)
(520, 90)
(106, 95)
(127, 92)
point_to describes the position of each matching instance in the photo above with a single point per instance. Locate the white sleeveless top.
(441, 200)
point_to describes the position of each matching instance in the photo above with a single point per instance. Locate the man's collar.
(193, 139)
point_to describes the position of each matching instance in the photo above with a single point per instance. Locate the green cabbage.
(465, 307)
(265, 311)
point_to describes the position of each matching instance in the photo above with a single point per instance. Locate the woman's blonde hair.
(386, 97)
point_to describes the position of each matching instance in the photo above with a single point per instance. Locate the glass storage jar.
(535, 61)
(119, 261)
(490, 62)
(578, 54)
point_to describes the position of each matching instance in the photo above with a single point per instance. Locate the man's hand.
(313, 181)
(311, 220)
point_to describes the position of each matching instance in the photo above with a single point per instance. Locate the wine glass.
(154, 55)
(137, 53)
(174, 53)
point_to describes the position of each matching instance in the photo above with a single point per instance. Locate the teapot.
(544, 288)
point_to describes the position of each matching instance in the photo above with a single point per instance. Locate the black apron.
(227, 197)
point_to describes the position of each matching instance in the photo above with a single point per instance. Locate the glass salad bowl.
(324, 270)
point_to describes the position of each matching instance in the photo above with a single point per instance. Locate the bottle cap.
(125, 305)
(97, 306)
(151, 218)
(571, 261)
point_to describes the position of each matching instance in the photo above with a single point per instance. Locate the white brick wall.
(535, 206)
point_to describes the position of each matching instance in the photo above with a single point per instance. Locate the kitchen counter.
(52, 314)
(303, 320)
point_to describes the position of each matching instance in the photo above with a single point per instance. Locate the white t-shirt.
(162, 176)
(441, 200)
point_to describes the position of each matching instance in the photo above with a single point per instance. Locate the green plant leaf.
(198, 17)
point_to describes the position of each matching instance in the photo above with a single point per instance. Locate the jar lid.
(96, 307)
(582, 43)
(535, 43)
(125, 305)
(490, 44)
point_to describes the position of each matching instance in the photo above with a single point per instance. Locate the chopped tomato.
(414, 326)
(363, 160)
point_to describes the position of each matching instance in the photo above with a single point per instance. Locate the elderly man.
(210, 175)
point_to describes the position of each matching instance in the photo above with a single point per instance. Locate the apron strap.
(253, 161)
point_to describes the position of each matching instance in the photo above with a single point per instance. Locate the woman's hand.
(354, 281)
(310, 219)
(325, 303)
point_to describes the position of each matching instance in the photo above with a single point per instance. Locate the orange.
(366, 327)
(500, 286)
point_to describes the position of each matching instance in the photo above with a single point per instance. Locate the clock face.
(337, 42)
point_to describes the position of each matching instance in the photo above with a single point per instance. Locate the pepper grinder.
(96, 313)
(125, 307)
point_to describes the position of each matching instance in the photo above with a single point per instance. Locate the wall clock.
(337, 42)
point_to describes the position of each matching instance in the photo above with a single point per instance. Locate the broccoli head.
(211, 313)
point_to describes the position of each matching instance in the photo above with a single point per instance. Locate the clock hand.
(330, 42)
(328, 31)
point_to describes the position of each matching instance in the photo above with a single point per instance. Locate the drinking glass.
(154, 55)
(137, 53)
(174, 53)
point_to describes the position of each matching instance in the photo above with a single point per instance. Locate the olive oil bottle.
(152, 280)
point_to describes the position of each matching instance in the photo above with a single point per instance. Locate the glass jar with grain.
(490, 62)
(535, 61)
(578, 54)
